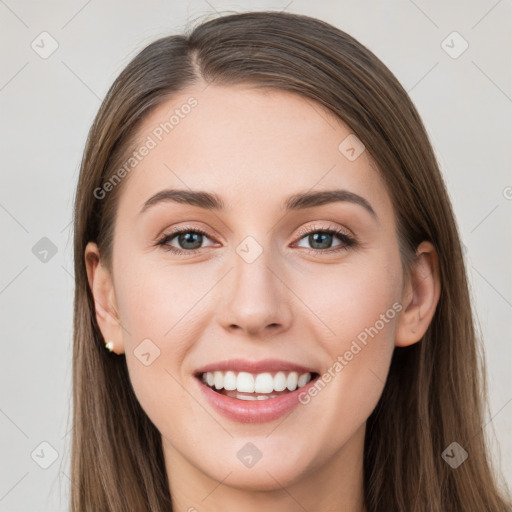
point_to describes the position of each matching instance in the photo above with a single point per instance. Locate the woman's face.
(266, 282)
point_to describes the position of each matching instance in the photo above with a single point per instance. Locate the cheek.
(358, 308)
(159, 310)
(354, 301)
(157, 301)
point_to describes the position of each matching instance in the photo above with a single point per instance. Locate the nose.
(255, 299)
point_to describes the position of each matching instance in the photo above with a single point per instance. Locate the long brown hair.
(435, 391)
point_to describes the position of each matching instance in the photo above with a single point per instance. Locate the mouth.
(248, 386)
(248, 391)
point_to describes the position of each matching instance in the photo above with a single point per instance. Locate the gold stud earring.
(109, 346)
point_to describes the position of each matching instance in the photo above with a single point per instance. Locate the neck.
(333, 484)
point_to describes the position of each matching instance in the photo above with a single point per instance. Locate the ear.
(420, 296)
(102, 288)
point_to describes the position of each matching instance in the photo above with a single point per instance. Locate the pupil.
(313, 240)
(186, 238)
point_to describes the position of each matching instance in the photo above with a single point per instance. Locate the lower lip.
(254, 411)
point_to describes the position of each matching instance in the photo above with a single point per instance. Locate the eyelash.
(347, 240)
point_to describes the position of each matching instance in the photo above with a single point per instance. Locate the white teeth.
(230, 381)
(246, 397)
(254, 397)
(303, 379)
(246, 382)
(218, 380)
(280, 381)
(264, 383)
(292, 381)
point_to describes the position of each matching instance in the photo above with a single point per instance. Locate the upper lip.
(255, 367)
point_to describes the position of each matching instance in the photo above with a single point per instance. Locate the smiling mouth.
(261, 386)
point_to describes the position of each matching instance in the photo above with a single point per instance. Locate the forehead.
(250, 146)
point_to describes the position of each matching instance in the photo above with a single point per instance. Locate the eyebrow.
(300, 201)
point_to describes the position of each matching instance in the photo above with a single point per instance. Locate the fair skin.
(254, 149)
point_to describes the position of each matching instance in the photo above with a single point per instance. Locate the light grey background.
(47, 106)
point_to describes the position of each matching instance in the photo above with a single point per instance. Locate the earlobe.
(102, 289)
(420, 297)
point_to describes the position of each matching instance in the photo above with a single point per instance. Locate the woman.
(265, 246)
